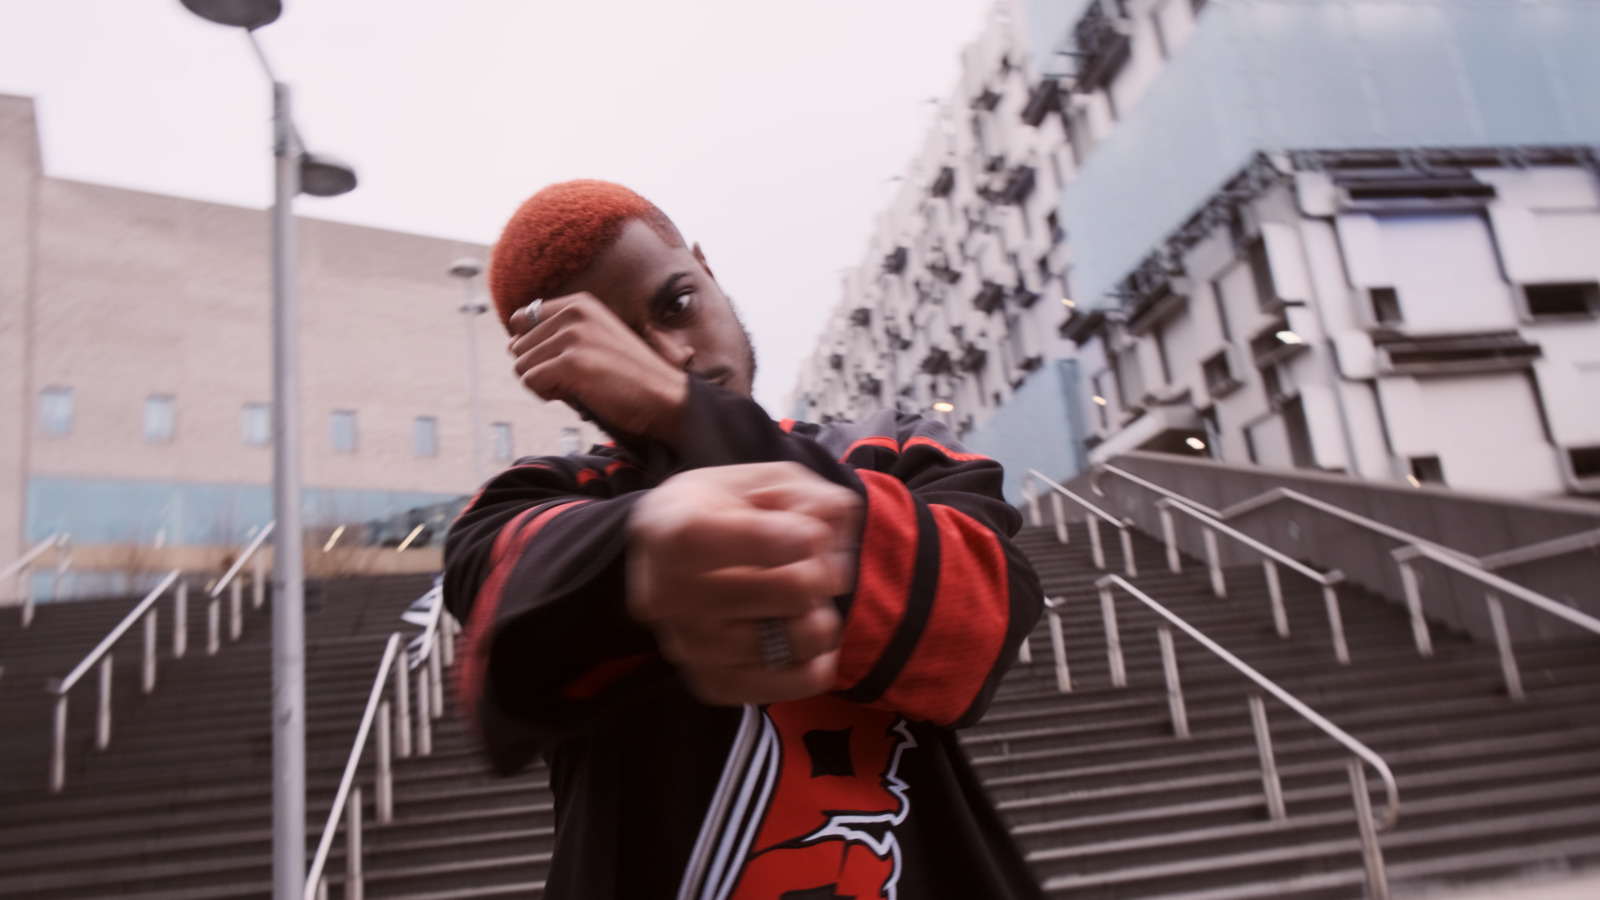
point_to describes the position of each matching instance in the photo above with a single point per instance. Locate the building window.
(1427, 470)
(255, 424)
(1386, 306)
(1585, 462)
(571, 441)
(1218, 373)
(160, 417)
(1222, 310)
(1261, 274)
(343, 431)
(500, 441)
(424, 436)
(1161, 354)
(55, 410)
(1561, 300)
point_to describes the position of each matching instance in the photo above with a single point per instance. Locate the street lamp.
(467, 269)
(296, 171)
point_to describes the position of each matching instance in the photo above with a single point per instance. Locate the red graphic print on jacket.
(827, 830)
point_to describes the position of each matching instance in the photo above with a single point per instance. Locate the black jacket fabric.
(861, 792)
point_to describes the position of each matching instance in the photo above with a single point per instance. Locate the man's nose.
(674, 347)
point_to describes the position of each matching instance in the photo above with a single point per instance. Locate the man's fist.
(581, 353)
(711, 552)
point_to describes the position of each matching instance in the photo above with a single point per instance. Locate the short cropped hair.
(556, 235)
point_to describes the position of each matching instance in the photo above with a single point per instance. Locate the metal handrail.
(102, 654)
(377, 709)
(1405, 557)
(1280, 617)
(1095, 514)
(395, 738)
(1541, 550)
(1368, 824)
(22, 569)
(230, 581)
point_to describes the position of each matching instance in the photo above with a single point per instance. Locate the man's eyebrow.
(668, 288)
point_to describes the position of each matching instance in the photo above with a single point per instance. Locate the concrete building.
(1360, 235)
(135, 371)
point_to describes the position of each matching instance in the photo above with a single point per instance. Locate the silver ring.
(531, 311)
(773, 637)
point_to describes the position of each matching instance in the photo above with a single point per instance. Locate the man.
(740, 645)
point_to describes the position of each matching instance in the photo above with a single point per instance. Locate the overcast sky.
(767, 131)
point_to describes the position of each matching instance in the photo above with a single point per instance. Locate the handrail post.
(1502, 640)
(1128, 562)
(180, 620)
(235, 610)
(25, 582)
(1280, 618)
(63, 563)
(447, 646)
(102, 719)
(1095, 546)
(1371, 852)
(354, 888)
(1169, 534)
(58, 746)
(1419, 623)
(402, 690)
(1271, 784)
(258, 580)
(424, 717)
(1219, 587)
(1024, 652)
(213, 626)
(435, 679)
(147, 674)
(1330, 599)
(1108, 613)
(1058, 646)
(1032, 496)
(1169, 665)
(384, 790)
(1059, 511)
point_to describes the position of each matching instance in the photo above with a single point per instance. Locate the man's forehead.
(629, 273)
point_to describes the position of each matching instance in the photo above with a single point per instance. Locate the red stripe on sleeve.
(888, 555)
(966, 628)
(786, 424)
(930, 442)
(508, 547)
(887, 443)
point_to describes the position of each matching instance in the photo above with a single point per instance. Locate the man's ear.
(700, 258)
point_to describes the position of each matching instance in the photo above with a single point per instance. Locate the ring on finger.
(531, 312)
(773, 643)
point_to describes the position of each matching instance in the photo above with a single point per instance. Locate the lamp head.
(466, 267)
(324, 176)
(248, 14)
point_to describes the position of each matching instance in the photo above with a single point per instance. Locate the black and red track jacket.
(862, 792)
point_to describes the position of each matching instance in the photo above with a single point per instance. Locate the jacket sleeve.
(943, 598)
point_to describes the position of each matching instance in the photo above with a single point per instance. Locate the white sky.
(768, 131)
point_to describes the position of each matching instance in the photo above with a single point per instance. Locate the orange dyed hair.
(557, 233)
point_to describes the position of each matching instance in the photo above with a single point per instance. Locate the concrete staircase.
(1106, 802)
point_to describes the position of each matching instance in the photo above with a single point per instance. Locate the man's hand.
(582, 354)
(712, 551)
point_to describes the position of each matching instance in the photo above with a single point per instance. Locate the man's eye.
(678, 306)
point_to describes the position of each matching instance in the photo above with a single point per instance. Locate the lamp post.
(472, 307)
(296, 172)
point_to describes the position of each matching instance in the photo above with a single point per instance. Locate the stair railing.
(1406, 558)
(347, 799)
(22, 570)
(235, 588)
(428, 653)
(1270, 561)
(1096, 515)
(1367, 823)
(145, 611)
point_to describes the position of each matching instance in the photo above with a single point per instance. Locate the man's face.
(667, 295)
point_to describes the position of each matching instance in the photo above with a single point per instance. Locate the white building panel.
(1447, 273)
(1485, 429)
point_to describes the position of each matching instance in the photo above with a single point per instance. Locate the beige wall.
(135, 294)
